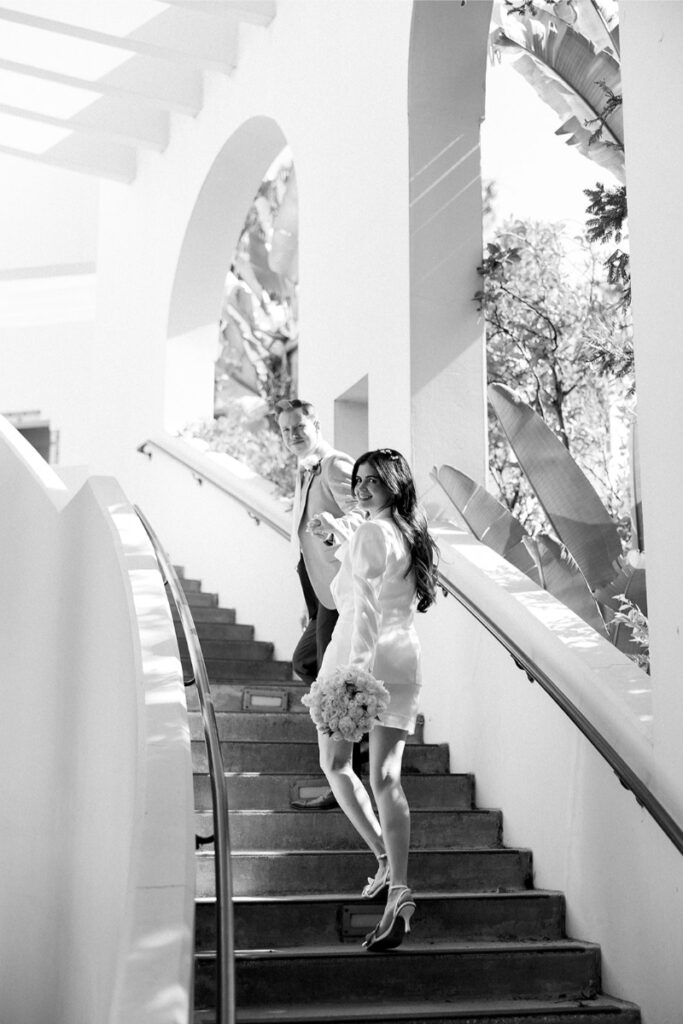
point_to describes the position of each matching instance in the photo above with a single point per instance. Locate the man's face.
(300, 433)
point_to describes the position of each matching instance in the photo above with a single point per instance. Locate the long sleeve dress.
(376, 604)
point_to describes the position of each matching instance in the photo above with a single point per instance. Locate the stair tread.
(356, 851)
(308, 775)
(390, 1012)
(413, 948)
(332, 812)
(424, 895)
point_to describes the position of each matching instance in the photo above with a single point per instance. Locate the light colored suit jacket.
(326, 487)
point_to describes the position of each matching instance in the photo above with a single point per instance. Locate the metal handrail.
(258, 515)
(626, 775)
(225, 930)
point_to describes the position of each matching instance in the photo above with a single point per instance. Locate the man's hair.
(307, 408)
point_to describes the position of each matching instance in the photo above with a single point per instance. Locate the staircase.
(486, 946)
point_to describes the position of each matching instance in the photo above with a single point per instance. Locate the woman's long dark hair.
(394, 472)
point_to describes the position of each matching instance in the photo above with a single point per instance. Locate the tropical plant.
(583, 561)
(243, 431)
(549, 319)
(259, 313)
(607, 209)
(569, 53)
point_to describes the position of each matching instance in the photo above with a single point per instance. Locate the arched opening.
(206, 256)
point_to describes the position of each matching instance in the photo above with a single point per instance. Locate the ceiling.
(87, 84)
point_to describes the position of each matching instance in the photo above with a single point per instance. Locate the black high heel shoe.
(393, 933)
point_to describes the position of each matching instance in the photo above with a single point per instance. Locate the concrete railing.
(621, 874)
(97, 844)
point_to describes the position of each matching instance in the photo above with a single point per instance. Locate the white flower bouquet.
(346, 704)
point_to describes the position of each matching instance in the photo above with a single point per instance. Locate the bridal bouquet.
(346, 704)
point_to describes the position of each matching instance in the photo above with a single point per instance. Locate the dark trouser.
(308, 653)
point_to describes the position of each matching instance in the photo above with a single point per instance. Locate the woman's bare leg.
(352, 797)
(386, 755)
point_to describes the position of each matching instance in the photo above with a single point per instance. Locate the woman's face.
(370, 492)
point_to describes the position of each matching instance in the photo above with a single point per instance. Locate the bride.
(387, 571)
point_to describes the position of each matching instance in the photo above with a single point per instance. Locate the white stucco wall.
(343, 112)
(349, 136)
(652, 34)
(48, 217)
(96, 802)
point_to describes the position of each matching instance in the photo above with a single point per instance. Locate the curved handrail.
(225, 932)
(624, 772)
(626, 775)
(257, 514)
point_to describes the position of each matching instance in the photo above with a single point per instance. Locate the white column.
(652, 39)
(445, 108)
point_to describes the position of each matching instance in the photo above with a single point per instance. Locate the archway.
(205, 258)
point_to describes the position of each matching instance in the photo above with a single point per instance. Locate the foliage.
(633, 618)
(549, 320)
(613, 100)
(541, 558)
(572, 506)
(259, 313)
(259, 334)
(582, 562)
(608, 210)
(569, 55)
(243, 431)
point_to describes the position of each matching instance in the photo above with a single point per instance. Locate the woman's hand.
(319, 527)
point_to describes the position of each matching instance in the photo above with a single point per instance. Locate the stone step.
(190, 586)
(220, 650)
(255, 791)
(198, 599)
(427, 758)
(323, 920)
(601, 1010)
(331, 830)
(281, 872)
(207, 613)
(264, 727)
(247, 670)
(563, 969)
(255, 695)
(246, 727)
(228, 632)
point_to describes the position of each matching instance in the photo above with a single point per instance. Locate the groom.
(323, 485)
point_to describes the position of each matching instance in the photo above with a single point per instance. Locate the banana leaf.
(285, 243)
(631, 582)
(489, 520)
(258, 257)
(562, 578)
(567, 497)
(565, 69)
(592, 23)
(636, 494)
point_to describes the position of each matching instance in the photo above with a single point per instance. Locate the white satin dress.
(376, 603)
